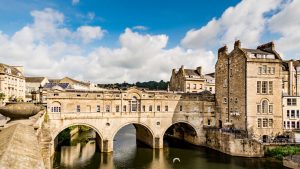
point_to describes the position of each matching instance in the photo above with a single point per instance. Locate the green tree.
(2, 97)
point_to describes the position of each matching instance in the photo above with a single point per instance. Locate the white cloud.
(75, 2)
(89, 33)
(140, 27)
(90, 15)
(286, 23)
(246, 21)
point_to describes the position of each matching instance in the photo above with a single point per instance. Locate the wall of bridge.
(150, 127)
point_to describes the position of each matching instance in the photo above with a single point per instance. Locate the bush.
(280, 152)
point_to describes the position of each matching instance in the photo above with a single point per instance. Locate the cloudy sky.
(107, 41)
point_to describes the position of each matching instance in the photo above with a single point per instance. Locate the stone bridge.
(152, 114)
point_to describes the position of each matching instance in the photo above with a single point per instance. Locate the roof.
(257, 51)
(285, 64)
(211, 74)
(74, 81)
(14, 71)
(34, 79)
(191, 72)
(62, 85)
(54, 80)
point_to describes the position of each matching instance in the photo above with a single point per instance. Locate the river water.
(129, 154)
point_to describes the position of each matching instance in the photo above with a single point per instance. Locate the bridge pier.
(108, 146)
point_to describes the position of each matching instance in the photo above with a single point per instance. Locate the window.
(264, 87)
(210, 89)
(78, 95)
(188, 86)
(180, 108)
(284, 124)
(264, 106)
(270, 108)
(78, 108)
(273, 70)
(166, 108)
(260, 70)
(270, 87)
(259, 108)
(158, 108)
(117, 108)
(269, 70)
(150, 108)
(265, 122)
(201, 86)
(134, 104)
(270, 122)
(264, 69)
(288, 124)
(298, 126)
(195, 86)
(292, 113)
(230, 72)
(124, 108)
(297, 113)
(208, 122)
(259, 123)
(55, 109)
(258, 87)
(98, 108)
(288, 113)
(225, 100)
(144, 108)
(236, 100)
(293, 125)
(107, 108)
(225, 83)
(291, 102)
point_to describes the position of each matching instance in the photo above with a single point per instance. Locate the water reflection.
(131, 154)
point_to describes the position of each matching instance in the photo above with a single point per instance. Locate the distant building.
(33, 84)
(12, 82)
(191, 81)
(249, 90)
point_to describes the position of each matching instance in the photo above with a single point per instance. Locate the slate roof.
(191, 72)
(14, 71)
(257, 51)
(62, 85)
(34, 79)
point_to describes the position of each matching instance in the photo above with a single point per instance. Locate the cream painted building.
(191, 81)
(12, 82)
(33, 84)
(249, 90)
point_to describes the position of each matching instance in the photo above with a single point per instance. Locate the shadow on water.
(130, 154)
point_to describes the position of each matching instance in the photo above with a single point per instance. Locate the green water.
(128, 154)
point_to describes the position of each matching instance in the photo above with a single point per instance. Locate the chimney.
(267, 47)
(237, 44)
(199, 69)
(182, 67)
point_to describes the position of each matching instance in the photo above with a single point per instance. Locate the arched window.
(56, 107)
(264, 106)
(134, 104)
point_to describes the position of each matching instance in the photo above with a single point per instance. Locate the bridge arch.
(99, 136)
(182, 130)
(144, 132)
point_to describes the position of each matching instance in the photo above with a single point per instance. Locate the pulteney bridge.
(151, 112)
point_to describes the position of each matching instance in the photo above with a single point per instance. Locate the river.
(129, 154)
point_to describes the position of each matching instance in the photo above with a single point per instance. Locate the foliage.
(151, 85)
(2, 96)
(19, 99)
(280, 152)
(46, 117)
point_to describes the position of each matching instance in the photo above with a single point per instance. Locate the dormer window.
(8, 71)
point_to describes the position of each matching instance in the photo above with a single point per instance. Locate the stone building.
(132, 100)
(291, 97)
(12, 82)
(249, 90)
(70, 83)
(191, 80)
(33, 84)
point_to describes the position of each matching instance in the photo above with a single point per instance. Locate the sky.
(108, 41)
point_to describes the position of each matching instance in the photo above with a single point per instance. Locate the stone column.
(107, 146)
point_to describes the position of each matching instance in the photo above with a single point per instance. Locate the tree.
(2, 97)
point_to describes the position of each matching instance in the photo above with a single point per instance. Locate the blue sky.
(107, 41)
(171, 17)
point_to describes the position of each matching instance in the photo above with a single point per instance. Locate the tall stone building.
(249, 90)
(191, 80)
(12, 82)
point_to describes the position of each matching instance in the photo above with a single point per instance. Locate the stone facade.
(248, 90)
(152, 113)
(12, 82)
(191, 81)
